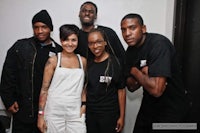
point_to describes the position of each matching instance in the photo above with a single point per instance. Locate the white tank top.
(64, 94)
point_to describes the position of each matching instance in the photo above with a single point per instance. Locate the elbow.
(158, 94)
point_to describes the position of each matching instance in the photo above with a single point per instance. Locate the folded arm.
(154, 85)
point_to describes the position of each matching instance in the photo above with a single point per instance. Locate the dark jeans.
(101, 123)
(4, 123)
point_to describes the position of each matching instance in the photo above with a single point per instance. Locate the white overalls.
(62, 110)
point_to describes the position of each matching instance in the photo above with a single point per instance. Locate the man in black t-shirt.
(88, 15)
(151, 63)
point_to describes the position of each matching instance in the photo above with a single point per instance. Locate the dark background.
(187, 43)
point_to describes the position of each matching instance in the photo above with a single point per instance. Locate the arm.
(8, 81)
(83, 95)
(131, 60)
(48, 74)
(83, 99)
(122, 104)
(154, 85)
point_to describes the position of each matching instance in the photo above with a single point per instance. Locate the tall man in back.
(88, 15)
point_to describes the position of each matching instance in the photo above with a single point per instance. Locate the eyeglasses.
(98, 43)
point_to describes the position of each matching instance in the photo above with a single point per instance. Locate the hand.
(145, 70)
(41, 123)
(14, 108)
(132, 84)
(83, 110)
(120, 124)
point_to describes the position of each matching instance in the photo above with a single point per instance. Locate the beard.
(87, 23)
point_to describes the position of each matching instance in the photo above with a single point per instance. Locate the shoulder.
(52, 61)
(155, 37)
(84, 61)
(24, 41)
(106, 29)
(158, 41)
(21, 43)
(53, 58)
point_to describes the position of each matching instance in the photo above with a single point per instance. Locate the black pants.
(101, 123)
(21, 127)
(4, 123)
(144, 123)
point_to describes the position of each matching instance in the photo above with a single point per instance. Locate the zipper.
(32, 76)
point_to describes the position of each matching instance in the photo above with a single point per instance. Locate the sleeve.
(8, 78)
(121, 78)
(121, 81)
(160, 60)
(131, 60)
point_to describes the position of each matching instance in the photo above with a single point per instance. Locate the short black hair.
(89, 2)
(134, 15)
(68, 29)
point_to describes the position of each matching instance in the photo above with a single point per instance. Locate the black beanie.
(43, 16)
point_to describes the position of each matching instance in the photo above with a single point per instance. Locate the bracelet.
(40, 112)
(83, 103)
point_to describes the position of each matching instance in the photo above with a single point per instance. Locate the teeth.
(69, 47)
(86, 18)
(96, 51)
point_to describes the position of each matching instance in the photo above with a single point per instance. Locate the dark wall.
(187, 43)
(191, 55)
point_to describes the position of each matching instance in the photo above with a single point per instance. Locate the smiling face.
(70, 44)
(41, 32)
(87, 14)
(133, 31)
(97, 44)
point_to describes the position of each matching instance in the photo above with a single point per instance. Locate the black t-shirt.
(158, 54)
(102, 89)
(114, 41)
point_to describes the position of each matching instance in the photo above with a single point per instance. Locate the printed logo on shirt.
(51, 54)
(105, 79)
(143, 63)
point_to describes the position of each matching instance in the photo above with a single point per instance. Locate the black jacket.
(17, 78)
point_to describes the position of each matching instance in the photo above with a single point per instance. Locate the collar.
(52, 43)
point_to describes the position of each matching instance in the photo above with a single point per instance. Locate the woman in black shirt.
(105, 88)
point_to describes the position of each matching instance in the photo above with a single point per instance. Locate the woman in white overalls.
(62, 97)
